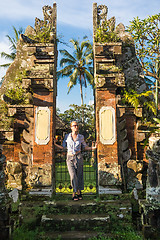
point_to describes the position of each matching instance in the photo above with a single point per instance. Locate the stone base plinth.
(108, 190)
(150, 219)
(153, 195)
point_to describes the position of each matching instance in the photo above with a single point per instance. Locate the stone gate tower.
(115, 67)
(29, 95)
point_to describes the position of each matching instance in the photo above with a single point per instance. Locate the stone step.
(41, 192)
(118, 207)
(74, 235)
(79, 222)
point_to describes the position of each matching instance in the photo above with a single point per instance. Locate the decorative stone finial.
(102, 11)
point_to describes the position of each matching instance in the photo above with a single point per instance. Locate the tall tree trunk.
(81, 99)
(81, 90)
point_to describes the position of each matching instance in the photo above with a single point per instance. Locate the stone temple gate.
(28, 107)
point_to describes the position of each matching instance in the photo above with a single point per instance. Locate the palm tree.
(13, 44)
(77, 66)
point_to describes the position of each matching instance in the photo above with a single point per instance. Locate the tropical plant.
(13, 45)
(146, 34)
(77, 65)
(144, 99)
(15, 92)
(43, 35)
(105, 34)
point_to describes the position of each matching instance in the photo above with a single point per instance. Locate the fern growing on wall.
(144, 99)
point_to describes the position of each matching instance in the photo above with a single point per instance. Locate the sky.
(74, 20)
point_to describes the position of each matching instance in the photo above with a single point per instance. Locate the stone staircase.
(58, 217)
(89, 218)
(84, 219)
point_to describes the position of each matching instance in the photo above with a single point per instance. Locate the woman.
(74, 141)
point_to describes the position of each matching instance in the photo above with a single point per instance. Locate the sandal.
(75, 198)
(80, 196)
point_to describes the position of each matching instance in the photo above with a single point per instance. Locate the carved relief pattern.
(49, 20)
(102, 11)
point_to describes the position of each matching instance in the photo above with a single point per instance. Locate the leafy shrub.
(104, 34)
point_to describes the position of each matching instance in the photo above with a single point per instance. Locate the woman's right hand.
(55, 139)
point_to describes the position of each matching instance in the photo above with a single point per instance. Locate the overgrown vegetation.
(147, 102)
(15, 92)
(33, 207)
(144, 99)
(146, 35)
(42, 35)
(105, 34)
(5, 122)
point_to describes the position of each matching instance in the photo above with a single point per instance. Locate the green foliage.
(15, 91)
(5, 121)
(25, 234)
(157, 125)
(145, 99)
(86, 123)
(43, 35)
(105, 35)
(146, 35)
(78, 66)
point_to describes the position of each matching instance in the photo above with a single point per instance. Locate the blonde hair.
(73, 122)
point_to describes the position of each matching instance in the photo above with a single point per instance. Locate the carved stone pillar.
(34, 125)
(108, 77)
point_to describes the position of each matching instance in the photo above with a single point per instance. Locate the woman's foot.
(75, 197)
(79, 195)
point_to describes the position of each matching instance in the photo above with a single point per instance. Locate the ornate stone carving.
(102, 11)
(49, 20)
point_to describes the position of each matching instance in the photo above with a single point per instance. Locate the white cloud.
(78, 12)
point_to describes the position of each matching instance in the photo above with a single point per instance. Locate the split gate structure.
(28, 112)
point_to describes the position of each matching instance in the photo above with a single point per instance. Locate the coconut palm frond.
(8, 56)
(13, 45)
(65, 53)
(89, 76)
(73, 80)
(157, 120)
(6, 65)
(64, 61)
(66, 71)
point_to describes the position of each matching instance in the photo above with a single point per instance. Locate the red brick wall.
(44, 153)
(107, 152)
